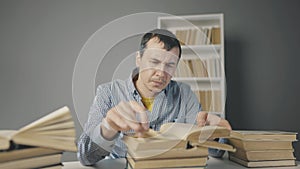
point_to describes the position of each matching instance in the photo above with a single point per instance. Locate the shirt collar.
(130, 82)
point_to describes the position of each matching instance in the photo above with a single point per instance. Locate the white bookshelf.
(189, 29)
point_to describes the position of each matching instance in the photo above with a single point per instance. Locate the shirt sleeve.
(92, 147)
(192, 105)
(97, 138)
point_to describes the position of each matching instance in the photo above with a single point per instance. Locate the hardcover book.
(55, 130)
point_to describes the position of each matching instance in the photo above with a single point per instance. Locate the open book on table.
(174, 137)
(55, 130)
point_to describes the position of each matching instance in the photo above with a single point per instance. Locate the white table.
(212, 163)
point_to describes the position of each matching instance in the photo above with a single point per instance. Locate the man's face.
(157, 66)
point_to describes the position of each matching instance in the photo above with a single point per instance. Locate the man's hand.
(203, 118)
(125, 116)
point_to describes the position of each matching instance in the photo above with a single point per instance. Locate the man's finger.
(115, 121)
(125, 110)
(144, 119)
(202, 118)
(141, 114)
(213, 120)
(225, 123)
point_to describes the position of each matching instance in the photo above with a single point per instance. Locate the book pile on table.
(263, 148)
(176, 145)
(39, 144)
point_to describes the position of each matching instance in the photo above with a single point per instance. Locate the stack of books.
(263, 148)
(176, 145)
(39, 144)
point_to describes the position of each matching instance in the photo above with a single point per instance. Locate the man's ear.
(138, 59)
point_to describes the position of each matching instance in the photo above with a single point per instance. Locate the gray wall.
(41, 39)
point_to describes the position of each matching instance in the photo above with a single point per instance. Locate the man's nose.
(160, 71)
(165, 69)
(162, 67)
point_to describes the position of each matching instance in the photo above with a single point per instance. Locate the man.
(148, 99)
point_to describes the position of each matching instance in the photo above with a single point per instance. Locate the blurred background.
(40, 41)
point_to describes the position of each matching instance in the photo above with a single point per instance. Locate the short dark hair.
(166, 37)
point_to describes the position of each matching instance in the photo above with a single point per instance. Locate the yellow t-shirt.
(148, 103)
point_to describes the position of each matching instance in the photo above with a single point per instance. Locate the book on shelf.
(208, 68)
(184, 69)
(55, 130)
(271, 163)
(216, 35)
(210, 100)
(199, 36)
(34, 162)
(199, 68)
(209, 36)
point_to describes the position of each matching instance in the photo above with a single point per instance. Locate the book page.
(177, 130)
(190, 132)
(52, 116)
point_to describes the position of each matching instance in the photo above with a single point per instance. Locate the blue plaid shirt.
(176, 103)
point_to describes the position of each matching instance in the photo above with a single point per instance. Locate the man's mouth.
(158, 82)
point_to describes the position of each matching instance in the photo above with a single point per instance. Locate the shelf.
(201, 51)
(201, 48)
(201, 83)
(209, 48)
(220, 114)
(189, 21)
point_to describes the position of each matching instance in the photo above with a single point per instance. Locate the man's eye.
(154, 62)
(170, 65)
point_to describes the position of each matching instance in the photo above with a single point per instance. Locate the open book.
(55, 130)
(174, 136)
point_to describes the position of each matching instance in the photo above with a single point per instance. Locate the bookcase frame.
(202, 51)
